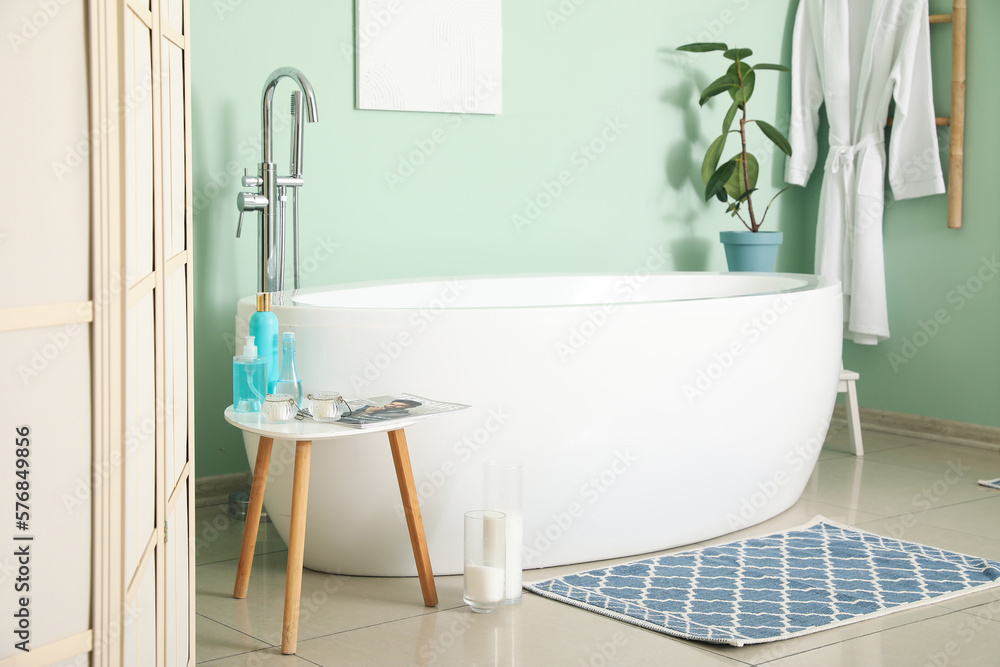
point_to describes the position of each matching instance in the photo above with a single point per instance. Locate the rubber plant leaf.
(720, 85)
(738, 54)
(741, 71)
(780, 68)
(735, 183)
(717, 183)
(772, 133)
(711, 161)
(703, 47)
(727, 122)
(764, 217)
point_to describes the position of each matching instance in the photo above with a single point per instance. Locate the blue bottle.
(289, 381)
(249, 379)
(264, 329)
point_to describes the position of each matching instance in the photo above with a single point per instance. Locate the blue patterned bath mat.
(812, 578)
(992, 483)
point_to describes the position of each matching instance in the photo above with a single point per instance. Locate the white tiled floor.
(912, 489)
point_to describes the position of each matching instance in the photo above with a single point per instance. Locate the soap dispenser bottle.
(289, 381)
(264, 329)
(249, 379)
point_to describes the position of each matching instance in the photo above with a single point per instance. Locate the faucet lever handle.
(248, 201)
(251, 181)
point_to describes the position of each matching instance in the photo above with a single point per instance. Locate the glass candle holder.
(503, 493)
(279, 408)
(485, 553)
(326, 406)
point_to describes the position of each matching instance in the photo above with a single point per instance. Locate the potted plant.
(735, 181)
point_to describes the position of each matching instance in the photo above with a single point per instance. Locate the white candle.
(484, 584)
(323, 409)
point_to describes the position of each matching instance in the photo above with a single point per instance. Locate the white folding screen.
(144, 82)
(95, 248)
(45, 312)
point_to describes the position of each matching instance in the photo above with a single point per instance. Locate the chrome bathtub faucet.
(271, 195)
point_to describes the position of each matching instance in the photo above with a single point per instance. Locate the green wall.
(566, 77)
(943, 359)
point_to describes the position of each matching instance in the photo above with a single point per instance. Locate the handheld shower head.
(297, 142)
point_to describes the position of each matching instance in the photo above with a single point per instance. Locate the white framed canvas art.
(429, 55)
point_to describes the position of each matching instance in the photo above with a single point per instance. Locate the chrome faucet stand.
(272, 189)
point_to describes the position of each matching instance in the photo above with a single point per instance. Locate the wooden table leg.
(411, 505)
(253, 517)
(296, 544)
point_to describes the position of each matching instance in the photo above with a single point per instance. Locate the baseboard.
(215, 489)
(916, 426)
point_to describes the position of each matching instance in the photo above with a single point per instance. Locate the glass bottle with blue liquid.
(289, 381)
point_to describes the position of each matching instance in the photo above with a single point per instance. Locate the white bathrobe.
(854, 55)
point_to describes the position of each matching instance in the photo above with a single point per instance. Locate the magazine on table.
(368, 412)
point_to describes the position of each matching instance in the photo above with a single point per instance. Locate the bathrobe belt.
(846, 159)
(843, 156)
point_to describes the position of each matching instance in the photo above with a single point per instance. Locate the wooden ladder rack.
(956, 150)
(956, 155)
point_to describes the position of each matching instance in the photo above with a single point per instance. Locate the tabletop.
(308, 428)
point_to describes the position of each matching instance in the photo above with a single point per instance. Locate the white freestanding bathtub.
(649, 410)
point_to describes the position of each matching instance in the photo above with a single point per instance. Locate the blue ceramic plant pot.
(751, 251)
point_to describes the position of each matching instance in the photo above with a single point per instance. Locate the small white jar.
(326, 406)
(279, 408)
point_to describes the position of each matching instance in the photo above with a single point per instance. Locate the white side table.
(304, 432)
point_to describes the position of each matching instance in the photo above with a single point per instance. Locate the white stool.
(847, 383)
